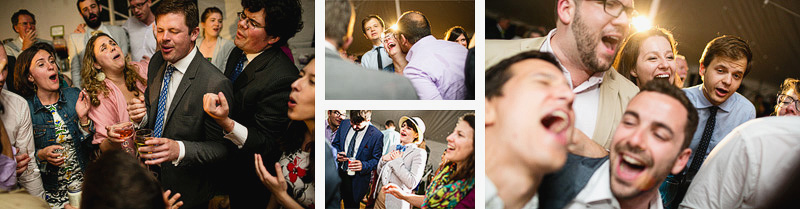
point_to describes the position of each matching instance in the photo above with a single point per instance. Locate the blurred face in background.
(787, 103)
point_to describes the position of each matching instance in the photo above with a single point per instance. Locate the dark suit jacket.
(369, 153)
(260, 97)
(559, 188)
(187, 122)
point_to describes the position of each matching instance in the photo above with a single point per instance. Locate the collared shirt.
(587, 94)
(16, 118)
(436, 69)
(390, 139)
(370, 59)
(181, 66)
(745, 170)
(597, 193)
(329, 132)
(732, 113)
(495, 202)
(142, 39)
(358, 140)
(239, 133)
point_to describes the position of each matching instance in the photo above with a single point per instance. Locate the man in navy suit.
(363, 142)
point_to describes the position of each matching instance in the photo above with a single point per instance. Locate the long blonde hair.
(94, 86)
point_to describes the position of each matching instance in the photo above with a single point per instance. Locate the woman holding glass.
(405, 165)
(294, 188)
(61, 125)
(453, 184)
(213, 47)
(110, 79)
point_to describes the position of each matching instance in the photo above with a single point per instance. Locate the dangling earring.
(100, 76)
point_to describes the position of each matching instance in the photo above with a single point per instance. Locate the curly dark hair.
(283, 18)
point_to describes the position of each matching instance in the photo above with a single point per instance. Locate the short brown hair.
(364, 22)
(664, 87)
(727, 46)
(628, 55)
(358, 116)
(187, 8)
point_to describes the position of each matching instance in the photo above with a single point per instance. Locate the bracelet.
(85, 125)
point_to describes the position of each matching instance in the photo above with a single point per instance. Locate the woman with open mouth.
(453, 183)
(61, 126)
(393, 50)
(111, 80)
(648, 55)
(405, 165)
(294, 187)
(213, 47)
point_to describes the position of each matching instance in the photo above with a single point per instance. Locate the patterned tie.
(352, 148)
(239, 68)
(162, 102)
(700, 154)
(380, 61)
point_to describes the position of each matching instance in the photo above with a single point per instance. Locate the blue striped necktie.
(162, 102)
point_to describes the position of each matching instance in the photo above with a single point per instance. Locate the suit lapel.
(363, 146)
(186, 82)
(233, 59)
(155, 86)
(258, 64)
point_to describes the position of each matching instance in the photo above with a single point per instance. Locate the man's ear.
(680, 163)
(491, 112)
(702, 71)
(566, 11)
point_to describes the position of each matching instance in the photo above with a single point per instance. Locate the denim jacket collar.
(37, 104)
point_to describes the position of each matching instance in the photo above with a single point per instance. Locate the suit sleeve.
(75, 65)
(337, 141)
(409, 175)
(270, 117)
(215, 147)
(374, 154)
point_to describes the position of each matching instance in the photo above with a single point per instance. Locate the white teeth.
(560, 126)
(663, 76)
(450, 147)
(632, 161)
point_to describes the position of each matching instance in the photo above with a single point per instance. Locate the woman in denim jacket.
(61, 127)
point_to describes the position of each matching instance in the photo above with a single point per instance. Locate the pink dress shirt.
(114, 108)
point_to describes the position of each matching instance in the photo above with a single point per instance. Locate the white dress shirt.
(142, 39)
(587, 94)
(748, 166)
(181, 66)
(597, 193)
(370, 59)
(358, 140)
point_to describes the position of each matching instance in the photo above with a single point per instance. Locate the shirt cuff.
(141, 123)
(181, 154)
(238, 135)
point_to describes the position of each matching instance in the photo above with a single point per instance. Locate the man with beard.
(90, 11)
(262, 76)
(187, 144)
(435, 67)
(24, 24)
(140, 30)
(725, 62)
(647, 146)
(335, 118)
(586, 38)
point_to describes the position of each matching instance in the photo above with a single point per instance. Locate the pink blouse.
(114, 108)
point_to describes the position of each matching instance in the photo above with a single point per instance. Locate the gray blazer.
(13, 46)
(77, 43)
(406, 172)
(346, 80)
(222, 49)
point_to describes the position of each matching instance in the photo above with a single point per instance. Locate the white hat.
(418, 123)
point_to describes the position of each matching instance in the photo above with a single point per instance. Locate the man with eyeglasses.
(90, 11)
(335, 118)
(587, 36)
(725, 63)
(788, 103)
(140, 30)
(24, 24)
(261, 74)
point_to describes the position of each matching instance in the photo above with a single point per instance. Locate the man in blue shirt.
(391, 138)
(376, 58)
(723, 65)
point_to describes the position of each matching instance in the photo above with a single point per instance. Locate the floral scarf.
(442, 193)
